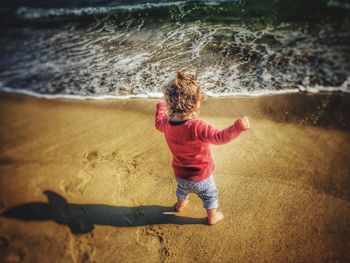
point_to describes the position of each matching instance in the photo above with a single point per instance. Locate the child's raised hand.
(245, 122)
(161, 102)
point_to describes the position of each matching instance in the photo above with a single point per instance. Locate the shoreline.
(159, 95)
(321, 108)
(101, 168)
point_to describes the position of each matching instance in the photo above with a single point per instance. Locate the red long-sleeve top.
(189, 141)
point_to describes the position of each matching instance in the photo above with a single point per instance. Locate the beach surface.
(91, 181)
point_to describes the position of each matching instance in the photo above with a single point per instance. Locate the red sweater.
(189, 143)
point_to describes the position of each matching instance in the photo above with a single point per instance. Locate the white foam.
(255, 93)
(345, 87)
(159, 95)
(136, 63)
(35, 13)
(333, 3)
(149, 95)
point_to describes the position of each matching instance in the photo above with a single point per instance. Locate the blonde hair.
(181, 96)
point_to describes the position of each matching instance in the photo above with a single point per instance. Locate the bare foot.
(215, 219)
(180, 205)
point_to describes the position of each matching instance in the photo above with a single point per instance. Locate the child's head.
(182, 96)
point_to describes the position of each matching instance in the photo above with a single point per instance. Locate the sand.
(91, 181)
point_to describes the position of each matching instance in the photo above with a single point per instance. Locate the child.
(188, 139)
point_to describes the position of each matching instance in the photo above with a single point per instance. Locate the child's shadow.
(82, 218)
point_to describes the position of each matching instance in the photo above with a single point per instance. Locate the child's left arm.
(160, 114)
(207, 133)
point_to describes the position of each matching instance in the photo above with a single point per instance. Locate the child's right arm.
(160, 115)
(207, 133)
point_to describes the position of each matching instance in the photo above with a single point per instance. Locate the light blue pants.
(205, 189)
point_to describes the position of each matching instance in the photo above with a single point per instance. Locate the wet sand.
(91, 181)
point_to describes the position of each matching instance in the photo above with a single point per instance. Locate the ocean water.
(117, 49)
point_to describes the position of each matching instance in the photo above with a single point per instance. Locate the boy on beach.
(188, 139)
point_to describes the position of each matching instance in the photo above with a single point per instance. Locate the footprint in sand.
(81, 248)
(125, 168)
(8, 254)
(128, 163)
(154, 241)
(77, 184)
(114, 167)
(4, 247)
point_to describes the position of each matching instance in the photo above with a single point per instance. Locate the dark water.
(118, 48)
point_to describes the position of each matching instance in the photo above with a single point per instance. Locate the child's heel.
(214, 217)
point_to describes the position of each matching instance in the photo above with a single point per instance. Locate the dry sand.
(91, 181)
